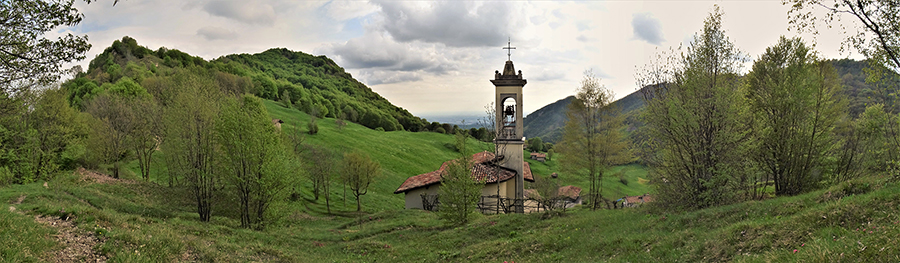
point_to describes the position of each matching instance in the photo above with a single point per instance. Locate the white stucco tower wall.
(510, 141)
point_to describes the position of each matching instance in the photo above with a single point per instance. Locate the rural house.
(540, 157)
(495, 179)
(634, 201)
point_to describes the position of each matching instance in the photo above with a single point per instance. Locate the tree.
(360, 171)
(190, 139)
(56, 132)
(251, 153)
(117, 123)
(794, 98)
(697, 119)
(880, 18)
(537, 145)
(26, 56)
(592, 138)
(321, 171)
(147, 133)
(459, 192)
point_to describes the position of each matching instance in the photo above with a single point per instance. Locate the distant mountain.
(548, 121)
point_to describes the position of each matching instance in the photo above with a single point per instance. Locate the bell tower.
(509, 126)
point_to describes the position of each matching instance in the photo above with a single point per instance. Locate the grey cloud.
(376, 51)
(244, 11)
(583, 25)
(376, 77)
(583, 38)
(647, 28)
(216, 33)
(452, 23)
(549, 74)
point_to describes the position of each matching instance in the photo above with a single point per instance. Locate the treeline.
(215, 134)
(313, 84)
(716, 137)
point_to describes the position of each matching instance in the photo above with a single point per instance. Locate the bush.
(379, 129)
(6, 176)
(312, 127)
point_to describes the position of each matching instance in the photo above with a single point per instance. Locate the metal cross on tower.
(509, 49)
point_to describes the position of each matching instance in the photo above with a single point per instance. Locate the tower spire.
(509, 49)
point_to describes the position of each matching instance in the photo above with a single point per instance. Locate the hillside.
(144, 222)
(547, 122)
(314, 84)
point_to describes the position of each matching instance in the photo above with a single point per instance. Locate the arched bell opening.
(508, 118)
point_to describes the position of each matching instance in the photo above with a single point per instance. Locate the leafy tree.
(794, 98)
(592, 138)
(117, 123)
(321, 169)
(459, 192)
(360, 171)
(537, 145)
(56, 129)
(147, 133)
(286, 99)
(698, 119)
(313, 126)
(878, 18)
(251, 151)
(26, 56)
(190, 140)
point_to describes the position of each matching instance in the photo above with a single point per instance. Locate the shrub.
(312, 127)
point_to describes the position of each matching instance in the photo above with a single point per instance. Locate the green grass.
(612, 188)
(150, 222)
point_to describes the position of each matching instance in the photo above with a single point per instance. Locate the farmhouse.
(540, 157)
(420, 187)
(634, 201)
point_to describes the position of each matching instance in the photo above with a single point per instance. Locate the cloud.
(216, 33)
(377, 77)
(376, 51)
(452, 23)
(248, 12)
(344, 10)
(647, 28)
(583, 38)
(548, 74)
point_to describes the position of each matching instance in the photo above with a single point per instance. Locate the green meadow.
(142, 221)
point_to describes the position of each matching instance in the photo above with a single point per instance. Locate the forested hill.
(547, 122)
(314, 84)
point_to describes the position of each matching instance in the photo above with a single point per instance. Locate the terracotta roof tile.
(569, 191)
(482, 170)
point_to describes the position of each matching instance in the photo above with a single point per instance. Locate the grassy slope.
(852, 222)
(149, 222)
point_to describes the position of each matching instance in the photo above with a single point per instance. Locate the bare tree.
(360, 171)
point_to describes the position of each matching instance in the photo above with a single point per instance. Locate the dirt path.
(78, 244)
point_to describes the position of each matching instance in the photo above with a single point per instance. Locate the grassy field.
(141, 221)
(146, 222)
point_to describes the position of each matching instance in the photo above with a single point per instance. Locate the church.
(504, 175)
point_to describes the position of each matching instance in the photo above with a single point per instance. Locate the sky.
(437, 58)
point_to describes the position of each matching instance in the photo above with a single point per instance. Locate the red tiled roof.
(539, 155)
(482, 170)
(633, 199)
(569, 191)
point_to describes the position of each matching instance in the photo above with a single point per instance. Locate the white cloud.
(253, 13)
(216, 33)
